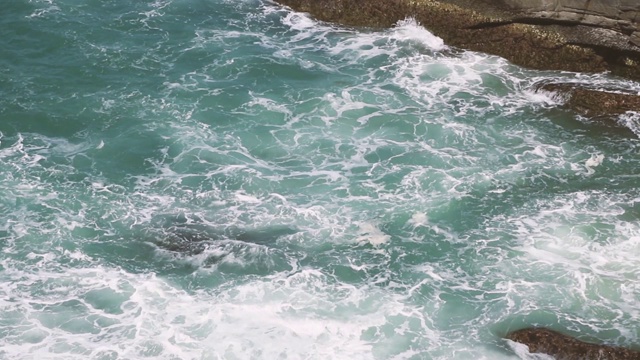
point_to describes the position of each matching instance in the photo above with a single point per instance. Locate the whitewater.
(216, 179)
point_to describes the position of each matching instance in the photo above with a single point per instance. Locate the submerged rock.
(193, 239)
(573, 35)
(192, 235)
(594, 102)
(564, 347)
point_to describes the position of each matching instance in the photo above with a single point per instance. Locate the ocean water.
(216, 179)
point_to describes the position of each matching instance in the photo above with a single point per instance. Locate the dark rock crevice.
(618, 54)
(543, 21)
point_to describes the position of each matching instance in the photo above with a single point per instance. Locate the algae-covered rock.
(594, 102)
(563, 347)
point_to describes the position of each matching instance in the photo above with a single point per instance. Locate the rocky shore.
(563, 347)
(573, 35)
(594, 103)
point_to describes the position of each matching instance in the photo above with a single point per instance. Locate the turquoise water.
(209, 179)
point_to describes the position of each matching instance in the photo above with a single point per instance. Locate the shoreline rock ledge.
(572, 35)
(563, 347)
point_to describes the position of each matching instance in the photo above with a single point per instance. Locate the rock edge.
(572, 35)
(564, 347)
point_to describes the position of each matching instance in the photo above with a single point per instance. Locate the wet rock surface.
(573, 35)
(192, 235)
(604, 103)
(196, 239)
(564, 347)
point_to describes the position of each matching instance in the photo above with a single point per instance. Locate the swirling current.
(215, 179)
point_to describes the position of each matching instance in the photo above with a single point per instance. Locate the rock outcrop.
(573, 35)
(563, 347)
(195, 238)
(618, 15)
(594, 103)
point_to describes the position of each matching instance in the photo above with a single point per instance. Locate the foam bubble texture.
(234, 180)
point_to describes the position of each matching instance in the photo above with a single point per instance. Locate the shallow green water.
(188, 179)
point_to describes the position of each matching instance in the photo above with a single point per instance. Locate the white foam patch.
(593, 161)
(522, 351)
(631, 120)
(102, 312)
(419, 219)
(244, 198)
(407, 34)
(300, 21)
(586, 253)
(369, 232)
(410, 30)
(47, 7)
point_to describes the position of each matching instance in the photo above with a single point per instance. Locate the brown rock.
(635, 38)
(594, 102)
(563, 347)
